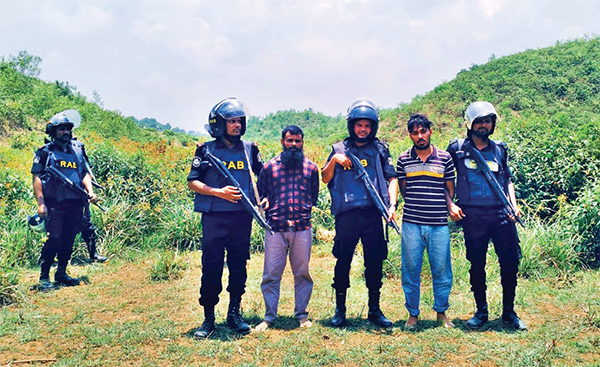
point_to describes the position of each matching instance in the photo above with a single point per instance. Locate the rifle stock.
(220, 166)
(70, 184)
(373, 193)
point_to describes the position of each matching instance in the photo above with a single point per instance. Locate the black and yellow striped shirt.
(424, 199)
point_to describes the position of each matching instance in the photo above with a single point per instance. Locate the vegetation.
(549, 103)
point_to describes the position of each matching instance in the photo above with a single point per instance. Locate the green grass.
(124, 318)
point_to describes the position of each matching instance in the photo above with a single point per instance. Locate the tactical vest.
(472, 187)
(236, 162)
(71, 164)
(347, 190)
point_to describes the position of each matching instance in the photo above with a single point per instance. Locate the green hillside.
(548, 99)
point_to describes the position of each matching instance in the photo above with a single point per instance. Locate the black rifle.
(483, 166)
(220, 166)
(364, 176)
(67, 182)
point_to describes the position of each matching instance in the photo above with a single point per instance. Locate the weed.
(168, 266)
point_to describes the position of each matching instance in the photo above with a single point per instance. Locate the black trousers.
(224, 231)
(63, 223)
(480, 226)
(351, 226)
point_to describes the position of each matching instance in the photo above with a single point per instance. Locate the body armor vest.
(235, 161)
(347, 190)
(472, 187)
(71, 164)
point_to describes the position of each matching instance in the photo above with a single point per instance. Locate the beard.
(65, 138)
(292, 157)
(424, 147)
(482, 133)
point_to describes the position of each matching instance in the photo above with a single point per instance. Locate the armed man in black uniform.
(356, 216)
(482, 213)
(226, 225)
(60, 205)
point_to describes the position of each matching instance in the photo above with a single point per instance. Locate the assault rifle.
(373, 193)
(220, 166)
(482, 166)
(67, 182)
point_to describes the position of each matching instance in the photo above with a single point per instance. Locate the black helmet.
(226, 109)
(362, 108)
(70, 118)
(36, 223)
(478, 110)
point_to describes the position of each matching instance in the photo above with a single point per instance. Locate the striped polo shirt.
(424, 199)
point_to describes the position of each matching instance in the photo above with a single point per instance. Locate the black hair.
(418, 120)
(293, 130)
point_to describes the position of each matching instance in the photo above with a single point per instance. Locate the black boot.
(481, 315)
(234, 318)
(94, 255)
(375, 314)
(62, 278)
(208, 326)
(45, 284)
(339, 319)
(510, 318)
(479, 319)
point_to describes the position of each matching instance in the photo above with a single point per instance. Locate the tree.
(26, 64)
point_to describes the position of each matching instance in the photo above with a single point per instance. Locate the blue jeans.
(436, 239)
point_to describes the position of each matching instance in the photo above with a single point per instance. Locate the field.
(123, 318)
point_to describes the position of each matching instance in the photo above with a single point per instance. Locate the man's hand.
(392, 213)
(93, 197)
(456, 212)
(342, 160)
(264, 203)
(229, 193)
(42, 211)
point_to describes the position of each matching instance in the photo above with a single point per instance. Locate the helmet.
(362, 108)
(36, 223)
(478, 110)
(68, 118)
(223, 111)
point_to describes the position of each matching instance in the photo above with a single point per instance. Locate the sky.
(174, 60)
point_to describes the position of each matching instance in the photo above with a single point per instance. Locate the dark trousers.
(350, 226)
(64, 221)
(480, 225)
(224, 231)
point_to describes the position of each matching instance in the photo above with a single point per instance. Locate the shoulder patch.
(36, 159)
(196, 162)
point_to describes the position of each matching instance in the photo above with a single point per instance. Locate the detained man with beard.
(289, 187)
(426, 179)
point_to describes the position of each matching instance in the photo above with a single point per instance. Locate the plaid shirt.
(291, 193)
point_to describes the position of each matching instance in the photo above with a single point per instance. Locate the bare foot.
(411, 323)
(305, 322)
(264, 325)
(441, 317)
